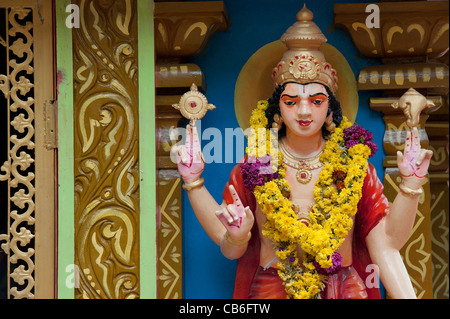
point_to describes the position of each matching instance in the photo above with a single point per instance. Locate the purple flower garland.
(355, 134)
(336, 258)
(257, 172)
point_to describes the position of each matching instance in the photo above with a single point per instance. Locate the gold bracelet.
(236, 242)
(409, 191)
(198, 182)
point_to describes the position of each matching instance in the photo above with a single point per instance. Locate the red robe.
(372, 207)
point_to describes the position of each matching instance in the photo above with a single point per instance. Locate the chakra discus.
(193, 105)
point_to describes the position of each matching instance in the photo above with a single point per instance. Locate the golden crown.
(303, 62)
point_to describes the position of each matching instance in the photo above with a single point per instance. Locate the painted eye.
(317, 102)
(289, 103)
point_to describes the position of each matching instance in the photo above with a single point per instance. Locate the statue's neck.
(303, 146)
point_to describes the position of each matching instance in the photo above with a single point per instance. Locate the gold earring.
(329, 124)
(277, 122)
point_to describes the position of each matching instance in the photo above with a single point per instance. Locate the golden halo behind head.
(255, 83)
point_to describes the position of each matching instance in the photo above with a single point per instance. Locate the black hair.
(274, 108)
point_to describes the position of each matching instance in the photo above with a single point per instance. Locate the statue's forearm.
(391, 268)
(205, 206)
(393, 274)
(231, 251)
(212, 218)
(400, 220)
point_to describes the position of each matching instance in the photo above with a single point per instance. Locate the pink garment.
(346, 284)
(372, 207)
(267, 285)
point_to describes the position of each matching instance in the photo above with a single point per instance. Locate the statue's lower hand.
(237, 219)
(189, 157)
(413, 163)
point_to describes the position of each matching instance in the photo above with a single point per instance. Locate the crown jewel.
(303, 62)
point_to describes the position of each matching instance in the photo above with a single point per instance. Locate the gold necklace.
(304, 166)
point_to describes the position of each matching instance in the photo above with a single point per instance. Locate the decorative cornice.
(183, 29)
(174, 78)
(412, 29)
(431, 76)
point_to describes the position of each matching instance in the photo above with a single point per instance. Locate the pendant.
(304, 174)
(304, 221)
(301, 217)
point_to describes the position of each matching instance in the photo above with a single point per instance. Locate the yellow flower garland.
(330, 218)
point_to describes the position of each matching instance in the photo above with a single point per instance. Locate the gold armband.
(236, 242)
(197, 183)
(409, 191)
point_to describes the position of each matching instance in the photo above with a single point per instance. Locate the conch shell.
(412, 103)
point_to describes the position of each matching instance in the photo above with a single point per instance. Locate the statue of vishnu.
(304, 212)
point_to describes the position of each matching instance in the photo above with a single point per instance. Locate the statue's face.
(304, 108)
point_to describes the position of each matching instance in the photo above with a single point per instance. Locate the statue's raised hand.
(190, 160)
(413, 163)
(237, 219)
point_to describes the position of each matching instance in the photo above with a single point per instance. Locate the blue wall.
(254, 23)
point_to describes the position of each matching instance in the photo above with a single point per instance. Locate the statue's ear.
(329, 118)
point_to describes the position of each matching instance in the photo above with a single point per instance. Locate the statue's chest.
(302, 194)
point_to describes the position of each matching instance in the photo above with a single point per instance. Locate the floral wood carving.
(106, 150)
(18, 169)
